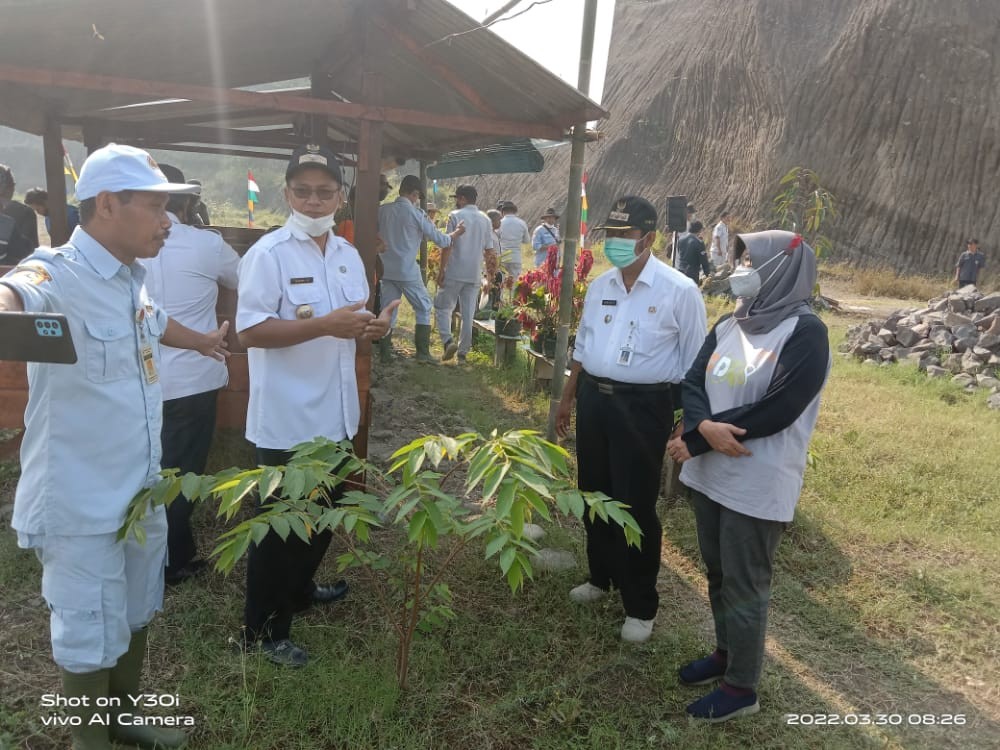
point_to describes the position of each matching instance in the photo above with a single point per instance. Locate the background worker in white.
(642, 326)
(719, 253)
(514, 237)
(184, 280)
(461, 271)
(401, 225)
(92, 437)
(302, 295)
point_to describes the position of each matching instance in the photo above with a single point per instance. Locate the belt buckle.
(606, 388)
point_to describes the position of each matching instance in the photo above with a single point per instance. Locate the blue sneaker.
(702, 671)
(719, 706)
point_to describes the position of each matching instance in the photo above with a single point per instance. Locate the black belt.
(610, 387)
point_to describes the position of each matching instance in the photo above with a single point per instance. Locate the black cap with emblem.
(631, 212)
(312, 155)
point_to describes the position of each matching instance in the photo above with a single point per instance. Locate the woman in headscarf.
(750, 400)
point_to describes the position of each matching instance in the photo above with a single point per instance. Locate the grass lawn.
(886, 601)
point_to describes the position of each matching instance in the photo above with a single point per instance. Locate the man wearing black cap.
(302, 295)
(691, 256)
(641, 328)
(970, 263)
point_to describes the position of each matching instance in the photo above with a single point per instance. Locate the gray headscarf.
(787, 283)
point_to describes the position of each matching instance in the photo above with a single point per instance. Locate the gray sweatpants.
(465, 295)
(738, 551)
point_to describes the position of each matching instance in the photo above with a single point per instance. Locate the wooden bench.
(542, 368)
(505, 351)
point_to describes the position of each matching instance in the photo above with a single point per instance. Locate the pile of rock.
(956, 336)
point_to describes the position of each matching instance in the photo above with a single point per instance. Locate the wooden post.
(365, 234)
(571, 234)
(55, 181)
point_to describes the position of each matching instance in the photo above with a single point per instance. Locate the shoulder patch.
(32, 273)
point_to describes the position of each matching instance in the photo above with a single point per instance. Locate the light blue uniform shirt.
(92, 429)
(401, 225)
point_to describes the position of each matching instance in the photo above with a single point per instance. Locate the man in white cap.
(92, 440)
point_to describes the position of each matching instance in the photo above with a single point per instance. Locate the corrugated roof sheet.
(224, 44)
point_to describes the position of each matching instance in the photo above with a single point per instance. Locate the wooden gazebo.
(374, 79)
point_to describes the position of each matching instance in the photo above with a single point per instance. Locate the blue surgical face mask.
(620, 251)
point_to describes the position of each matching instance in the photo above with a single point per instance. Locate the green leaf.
(294, 483)
(496, 544)
(280, 526)
(478, 466)
(495, 477)
(299, 527)
(507, 558)
(505, 500)
(258, 531)
(416, 526)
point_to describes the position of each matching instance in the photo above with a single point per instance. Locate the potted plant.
(537, 294)
(507, 322)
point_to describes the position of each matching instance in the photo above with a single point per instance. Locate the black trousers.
(280, 573)
(186, 436)
(620, 441)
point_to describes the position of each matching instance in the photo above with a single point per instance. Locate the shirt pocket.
(111, 353)
(354, 293)
(77, 621)
(299, 295)
(653, 342)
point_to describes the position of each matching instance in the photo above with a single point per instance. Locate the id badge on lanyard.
(146, 349)
(628, 348)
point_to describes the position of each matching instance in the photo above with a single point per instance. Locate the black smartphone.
(36, 337)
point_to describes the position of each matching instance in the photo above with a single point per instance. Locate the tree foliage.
(512, 478)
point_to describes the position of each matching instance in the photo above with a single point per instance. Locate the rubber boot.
(124, 682)
(385, 348)
(89, 686)
(422, 339)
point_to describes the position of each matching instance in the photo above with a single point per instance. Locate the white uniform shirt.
(184, 280)
(465, 264)
(720, 244)
(308, 390)
(662, 322)
(92, 429)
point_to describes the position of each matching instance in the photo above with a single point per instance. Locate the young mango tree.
(510, 479)
(805, 206)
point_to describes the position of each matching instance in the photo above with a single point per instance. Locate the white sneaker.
(586, 593)
(637, 631)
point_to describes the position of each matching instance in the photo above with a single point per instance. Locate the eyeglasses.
(304, 193)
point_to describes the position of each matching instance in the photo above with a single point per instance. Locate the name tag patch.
(302, 280)
(609, 302)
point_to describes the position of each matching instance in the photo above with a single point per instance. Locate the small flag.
(253, 196)
(68, 168)
(583, 211)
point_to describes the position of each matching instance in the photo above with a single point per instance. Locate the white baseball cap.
(114, 168)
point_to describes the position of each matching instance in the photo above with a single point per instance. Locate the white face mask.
(745, 281)
(313, 227)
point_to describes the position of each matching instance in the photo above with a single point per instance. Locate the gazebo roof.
(227, 75)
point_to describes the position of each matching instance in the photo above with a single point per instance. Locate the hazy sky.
(550, 33)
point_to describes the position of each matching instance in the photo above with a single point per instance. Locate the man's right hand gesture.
(347, 322)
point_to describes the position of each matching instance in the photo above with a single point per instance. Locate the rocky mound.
(956, 336)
